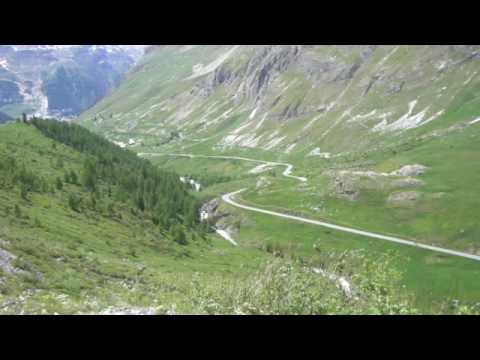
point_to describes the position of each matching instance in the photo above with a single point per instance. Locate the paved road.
(286, 173)
(228, 198)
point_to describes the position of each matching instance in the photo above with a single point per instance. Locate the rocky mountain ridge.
(313, 100)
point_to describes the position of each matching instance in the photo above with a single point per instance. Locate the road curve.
(228, 198)
(287, 172)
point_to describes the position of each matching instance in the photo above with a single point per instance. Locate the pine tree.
(178, 235)
(18, 212)
(73, 177)
(23, 192)
(93, 202)
(89, 176)
(74, 202)
(59, 184)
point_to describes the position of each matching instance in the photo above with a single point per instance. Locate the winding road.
(229, 199)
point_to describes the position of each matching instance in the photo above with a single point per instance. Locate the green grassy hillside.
(97, 246)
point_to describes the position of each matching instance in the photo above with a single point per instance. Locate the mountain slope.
(70, 229)
(324, 100)
(58, 79)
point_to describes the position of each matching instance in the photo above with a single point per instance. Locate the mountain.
(323, 100)
(60, 80)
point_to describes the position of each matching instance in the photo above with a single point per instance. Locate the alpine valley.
(240, 179)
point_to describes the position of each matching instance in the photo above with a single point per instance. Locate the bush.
(74, 202)
(18, 212)
(289, 287)
(59, 184)
(178, 235)
(23, 192)
(37, 223)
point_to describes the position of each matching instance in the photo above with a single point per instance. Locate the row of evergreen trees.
(154, 192)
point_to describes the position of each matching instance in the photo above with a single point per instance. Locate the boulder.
(410, 170)
(403, 197)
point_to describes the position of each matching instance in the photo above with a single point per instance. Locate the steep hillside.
(68, 225)
(320, 100)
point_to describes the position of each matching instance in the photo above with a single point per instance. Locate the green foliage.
(18, 211)
(291, 287)
(59, 183)
(157, 193)
(23, 191)
(73, 177)
(89, 175)
(74, 202)
(177, 234)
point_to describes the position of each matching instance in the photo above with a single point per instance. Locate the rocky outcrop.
(262, 182)
(407, 183)
(208, 211)
(344, 186)
(410, 170)
(6, 262)
(68, 79)
(329, 91)
(405, 197)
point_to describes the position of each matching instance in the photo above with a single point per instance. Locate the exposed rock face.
(128, 311)
(348, 183)
(9, 93)
(345, 187)
(410, 170)
(262, 182)
(327, 96)
(208, 211)
(406, 183)
(6, 260)
(60, 80)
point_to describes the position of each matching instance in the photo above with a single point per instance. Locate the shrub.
(178, 235)
(74, 202)
(18, 212)
(289, 287)
(59, 183)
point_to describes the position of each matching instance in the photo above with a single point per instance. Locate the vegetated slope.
(84, 215)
